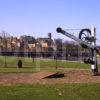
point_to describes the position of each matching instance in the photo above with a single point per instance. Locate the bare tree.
(4, 36)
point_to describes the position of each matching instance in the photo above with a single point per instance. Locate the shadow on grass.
(55, 75)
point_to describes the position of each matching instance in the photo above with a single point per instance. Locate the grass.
(14, 70)
(90, 91)
(38, 64)
(51, 92)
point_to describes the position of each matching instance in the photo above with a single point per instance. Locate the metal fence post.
(94, 66)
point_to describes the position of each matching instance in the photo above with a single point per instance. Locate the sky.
(38, 17)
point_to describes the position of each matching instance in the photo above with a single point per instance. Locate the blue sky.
(38, 17)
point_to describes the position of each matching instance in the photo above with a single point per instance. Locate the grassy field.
(51, 92)
(38, 64)
(90, 91)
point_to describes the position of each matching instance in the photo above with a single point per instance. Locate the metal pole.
(94, 52)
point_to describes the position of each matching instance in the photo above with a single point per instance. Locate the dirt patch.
(71, 76)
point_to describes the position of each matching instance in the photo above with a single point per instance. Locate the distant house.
(26, 44)
(45, 45)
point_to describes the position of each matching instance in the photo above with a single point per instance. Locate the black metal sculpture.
(86, 39)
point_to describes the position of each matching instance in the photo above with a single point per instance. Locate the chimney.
(49, 35)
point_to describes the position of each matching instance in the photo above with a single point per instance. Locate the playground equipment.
(87, 39)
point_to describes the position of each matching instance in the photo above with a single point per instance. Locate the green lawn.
(51, 92)
(37, 65)
(46, 92)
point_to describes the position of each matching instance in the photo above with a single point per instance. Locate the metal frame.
(91, 46)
